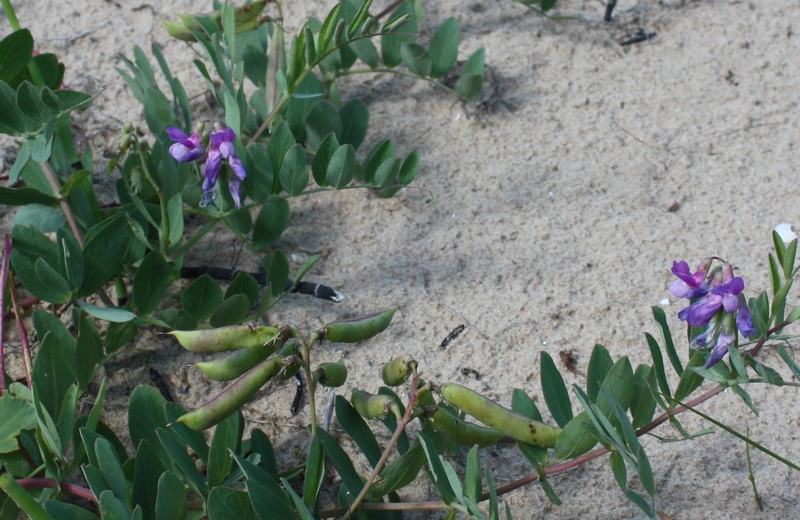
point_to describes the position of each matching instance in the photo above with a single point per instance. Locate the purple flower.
(221, 148)
(690, 285)
(187, 148)
(718, 304)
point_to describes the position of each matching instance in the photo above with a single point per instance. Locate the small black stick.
(453, 335)
(317, 290)
(297, 403)
(156, 378)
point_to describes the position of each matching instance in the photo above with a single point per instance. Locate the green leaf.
(244, 283)
(555, 391)
(327, 30)
(278, 272)
(322, 158)
(294, 171)
(787, 358)
(266, 496)
(112, 314)
(24, 196)
(112, 508)
(260, 443)
(16, 50)
(409, 169)
(658, 365)
(690, 380)
(231, 312)
(444, 47)
(470, 84)
(355, 122)
(59, 290)
(522, 403)
(355, 426)
(146, 480)
(103, 253)
(66, 511)
(342, 463)
(145, 415)
(666, 335)
(119, 335)
(789, 259)
(150, 282)
(280, 143)
(300, 507)
(618, 386)
(53, 370)
(391, 43)
(644, 404)
(70, 259)
(260, 176)
(599, 365)
(315, 472)
(18, 414)
(158, 111)
(576, 438)
(202, 297)
(322, 121)
(380, 153)
(171, 498)
(387, 172)
(89, 350)
(112, 470)
(416, 59)
(225, 504)
(472, 477)
(341, 167)
(194, 439)
(400, 472)
(177, 454)
(436, 469)
(270, 223)
(226, 437)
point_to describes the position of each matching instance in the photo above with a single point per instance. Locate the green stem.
(194, 238)
(163, 233)
(25, 501)
(401, 426)
(11, 15)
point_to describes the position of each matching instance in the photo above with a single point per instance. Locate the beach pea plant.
(61, 461)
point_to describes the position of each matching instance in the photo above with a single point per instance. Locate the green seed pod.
(396, 371)
(424, 394)
(504, 420)
(179, 31)
(292, 359)
(460, 431)
(233, 397)
(331, 375)
(225, 338)
(358, 329)
(371, 406)
(236, 364)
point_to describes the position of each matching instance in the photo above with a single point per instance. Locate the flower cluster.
(216, 148)
(717, 304)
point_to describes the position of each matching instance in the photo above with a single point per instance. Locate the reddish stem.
(74, 489)
(3, 281)
(23, 336)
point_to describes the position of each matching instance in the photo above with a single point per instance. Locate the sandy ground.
(548, 224)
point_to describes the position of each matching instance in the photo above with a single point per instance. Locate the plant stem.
(163, 233)
(399, 73)
(23, 336)
(401, 426)
(311, 387)
(193, 240)
(3, 282)
(40, 483)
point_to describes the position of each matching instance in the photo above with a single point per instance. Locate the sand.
(547, 224)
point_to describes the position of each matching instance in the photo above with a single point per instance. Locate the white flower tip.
(664, 302)
(785, 232)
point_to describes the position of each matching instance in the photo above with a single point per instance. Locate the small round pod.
(357, 329)
(233, 397)
(425, 394)
(459, 431)
(225, 338)
(332, 375)
(502, 419)
(371, 406)
(398, 370)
